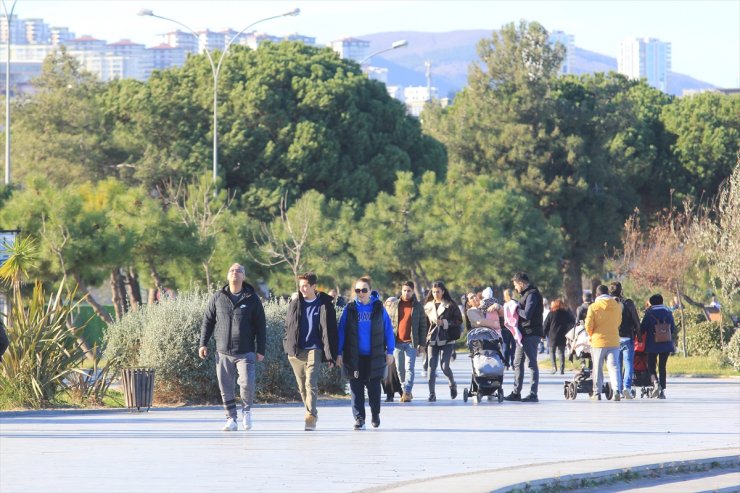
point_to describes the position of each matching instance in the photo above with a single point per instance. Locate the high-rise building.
(353, 48)
(165, 56)
(645, 58)
(182, 39)
(17, 30)
(568, 41)
(37, 32)
(60, 35)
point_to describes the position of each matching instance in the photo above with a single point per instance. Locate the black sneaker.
(432, 398)
(453, 391)
(531, 398)
(375, 421)
(359, 424)
(389, 398)
(513, 397)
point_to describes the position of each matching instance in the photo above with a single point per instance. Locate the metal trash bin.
(138, 387)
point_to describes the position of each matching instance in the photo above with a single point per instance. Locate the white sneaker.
(247, 420)
(627, 393)
(423, 374)
(230, 425)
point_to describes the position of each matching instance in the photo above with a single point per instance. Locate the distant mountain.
(451, 54)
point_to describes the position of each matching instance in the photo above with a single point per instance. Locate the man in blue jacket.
(236, 319)
(366, 344)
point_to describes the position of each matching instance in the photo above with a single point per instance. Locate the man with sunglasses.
(366, 344)
(236, 319)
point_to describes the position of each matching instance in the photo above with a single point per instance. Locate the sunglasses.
(363, 290)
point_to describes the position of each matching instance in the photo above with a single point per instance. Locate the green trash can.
(138, 387)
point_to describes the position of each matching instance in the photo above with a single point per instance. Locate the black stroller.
(488, 365)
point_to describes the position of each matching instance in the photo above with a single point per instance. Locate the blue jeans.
(627, 357)
(527, 351)
(405, 354)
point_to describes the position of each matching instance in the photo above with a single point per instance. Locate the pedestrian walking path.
(443, 446)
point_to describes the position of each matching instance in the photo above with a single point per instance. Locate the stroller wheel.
(608, 391)
(465, 394)
(572, 391)
(478, 397)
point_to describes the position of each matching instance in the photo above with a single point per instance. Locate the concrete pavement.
(444, 446)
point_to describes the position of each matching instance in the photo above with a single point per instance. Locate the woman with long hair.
(557, 323)
(445, 326)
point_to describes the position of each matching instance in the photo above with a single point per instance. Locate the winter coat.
(418, 322)
(582, 310)
(327, 323)
(237, 327)
(379, 343)
(447, 316)
(602, 322)
(557, 324)
(530, 312)
(654, 315)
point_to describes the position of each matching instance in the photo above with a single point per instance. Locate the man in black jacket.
(310, 338)
(236, 319)
(530, 325)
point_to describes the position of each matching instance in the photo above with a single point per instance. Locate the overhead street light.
(394, 46)
(8, 17)
(216, 70)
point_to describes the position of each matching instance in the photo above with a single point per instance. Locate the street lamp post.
(8, 18)
(394, 46)
(216, 69)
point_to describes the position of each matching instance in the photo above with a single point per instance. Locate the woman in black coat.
(557, 323)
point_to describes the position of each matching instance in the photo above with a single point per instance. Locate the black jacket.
(237, 327)
(630, 326)
(327, 322)
(351, 349)
(530, 312)
(557, 324)
(4, 341)
(581, 311)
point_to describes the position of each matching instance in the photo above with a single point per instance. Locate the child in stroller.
(641, 375)
(488, 364)
(578, 345)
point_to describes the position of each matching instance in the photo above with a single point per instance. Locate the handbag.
(663, 332)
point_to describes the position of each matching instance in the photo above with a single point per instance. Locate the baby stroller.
(641, 375)
(578, 346)
(488, 365)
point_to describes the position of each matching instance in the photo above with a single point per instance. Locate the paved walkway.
(445, 446)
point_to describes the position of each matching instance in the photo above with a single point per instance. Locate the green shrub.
(43, 351)
(704, 337)
(732, 350)
(165, 337)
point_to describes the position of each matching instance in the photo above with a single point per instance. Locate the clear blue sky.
(705, 34)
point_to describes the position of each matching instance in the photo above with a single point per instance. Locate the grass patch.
(695, 366)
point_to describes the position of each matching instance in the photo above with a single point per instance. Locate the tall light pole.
(394, 46)
(216, 70)
(8, 18)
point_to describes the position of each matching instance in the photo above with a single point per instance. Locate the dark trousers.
(528, 351)
(660, 360)
(440, 355)
(509, 348)
(560, 350)
(357, 390)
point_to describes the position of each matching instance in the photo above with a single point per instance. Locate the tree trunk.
(97, 307)
(683, 320)
(157, 281)
(152, 296)
(572, 285)
(81, 340)
(118, 293)
(134, 289)
(417, 284)
(207, 269)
